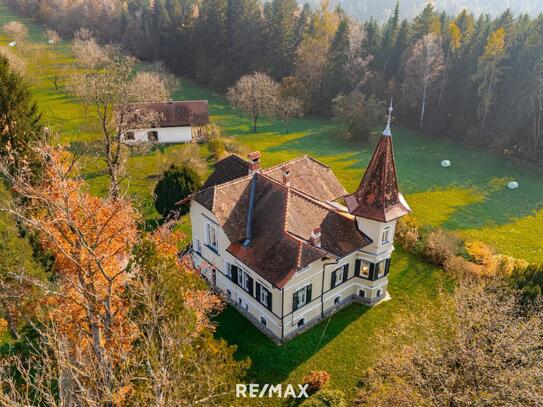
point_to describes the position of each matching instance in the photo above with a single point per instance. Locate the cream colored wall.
(322, 300)
(374, 230)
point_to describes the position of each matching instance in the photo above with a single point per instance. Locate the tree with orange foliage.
(91, 240)
(124, 321)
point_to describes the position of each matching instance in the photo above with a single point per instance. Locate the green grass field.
(470, 197)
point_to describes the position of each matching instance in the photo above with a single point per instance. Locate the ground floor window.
(301, 322)
(337, 300)
(243, 304)
(362, 293)
(152, 135)
(198, 246)
(129, 135)
(229, 293)
(263, 321)
(379, 293)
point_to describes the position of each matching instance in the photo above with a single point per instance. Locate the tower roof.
(378, 197)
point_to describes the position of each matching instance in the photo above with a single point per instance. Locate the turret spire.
(378, 197)
(387, 131)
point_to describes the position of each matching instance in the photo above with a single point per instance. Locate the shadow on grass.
(272, 363)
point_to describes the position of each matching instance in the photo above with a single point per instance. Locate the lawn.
(470, 197)
(347, 343)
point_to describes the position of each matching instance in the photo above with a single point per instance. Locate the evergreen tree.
(19, 117)
(281, 24)
(176, 184)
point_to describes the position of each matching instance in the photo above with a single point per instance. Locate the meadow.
(470, 198)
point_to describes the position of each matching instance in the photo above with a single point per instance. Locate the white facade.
(360, 276)
(166, 135)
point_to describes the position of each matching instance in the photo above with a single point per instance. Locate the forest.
(475, 79)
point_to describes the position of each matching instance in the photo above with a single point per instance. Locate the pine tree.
(281, 32)
(19, 117)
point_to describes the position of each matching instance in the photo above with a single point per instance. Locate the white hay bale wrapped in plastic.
(512, 185)
(445, 163)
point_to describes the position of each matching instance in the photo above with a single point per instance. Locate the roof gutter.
(249, 227)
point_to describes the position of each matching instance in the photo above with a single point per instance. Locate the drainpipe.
(322, 286)
(282, 313)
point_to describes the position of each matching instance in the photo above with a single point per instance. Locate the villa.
(288, 245)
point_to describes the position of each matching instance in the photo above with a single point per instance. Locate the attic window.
(152, 136)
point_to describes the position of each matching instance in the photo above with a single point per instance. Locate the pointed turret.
(377, 197)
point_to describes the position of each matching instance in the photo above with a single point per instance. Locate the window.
(379, 293)
(129, 135)
(211, 237)
(301, 297)
(243, 304)
(228, 293)
(301, 322)
(337, 300)
(339, 275)
(244, 280)
(264, 296)
(381, 267)
(198, 246)
(152, 135)
(385, 237)
(362, 293)
(365, 269)
(263, 321)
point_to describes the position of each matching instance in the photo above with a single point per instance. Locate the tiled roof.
(283, 220)
(377, 197)
(175, 114)
(311, 177)
(227, 169)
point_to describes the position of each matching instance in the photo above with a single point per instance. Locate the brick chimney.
(286, 176)
(315, 238)
(254, 161)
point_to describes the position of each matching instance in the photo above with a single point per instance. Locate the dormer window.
(385, 237)
(211, 237)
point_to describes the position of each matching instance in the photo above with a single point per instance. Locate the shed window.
(129, 135)
(152, 135)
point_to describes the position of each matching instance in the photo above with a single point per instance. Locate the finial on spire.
(387, 131)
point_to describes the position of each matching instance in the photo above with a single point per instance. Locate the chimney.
(315, 238)
(254, 161)
(286, 176)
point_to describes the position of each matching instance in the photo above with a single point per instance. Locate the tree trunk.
(422, 110)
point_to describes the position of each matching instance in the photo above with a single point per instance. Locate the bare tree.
(256, 94)
(52, 36)
(16, 31)
(537, 108)
(108, 82)
(423, 67)
(482, 347)
(288, 107)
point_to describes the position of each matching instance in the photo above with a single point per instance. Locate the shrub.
(440, 245)
(190, 156)
(459, 266)
(177, 183)
(316, 380)
(407, 233)
(529, 279)
(217, 148)
(480, 253)
(326, 398)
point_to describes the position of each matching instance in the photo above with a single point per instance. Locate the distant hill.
(381, 9)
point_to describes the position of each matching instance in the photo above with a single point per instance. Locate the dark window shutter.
(387, 267)
(295, 301)
(234, 274)
(333, 282)
(258, 288)
(357, 265)
(372, 271)
(250, 283)
(345, 272)
(269, 300)
(308, 295)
